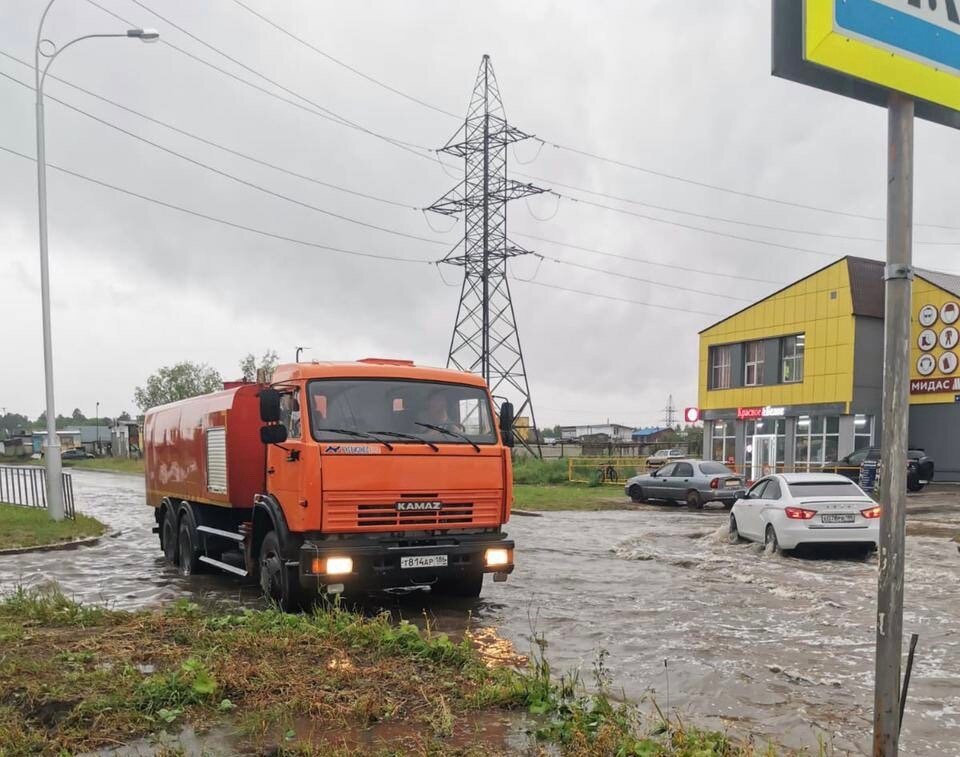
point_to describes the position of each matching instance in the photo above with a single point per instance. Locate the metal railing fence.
(26, 486)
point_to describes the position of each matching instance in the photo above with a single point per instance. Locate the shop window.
(723, 442)
(721, 360)
(791, 358)
(817, 441)
(753, 364)
(862, 431)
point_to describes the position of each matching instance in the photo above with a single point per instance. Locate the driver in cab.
(436, 413)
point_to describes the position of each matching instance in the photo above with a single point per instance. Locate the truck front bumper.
(383, 561)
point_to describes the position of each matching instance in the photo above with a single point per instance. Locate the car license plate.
(733, 483)
(424, 561)
(838, 518)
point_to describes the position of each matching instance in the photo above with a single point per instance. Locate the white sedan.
(786, 510)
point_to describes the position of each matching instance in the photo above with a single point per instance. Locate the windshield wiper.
(358, 434)
(447, 431)
(420, 439)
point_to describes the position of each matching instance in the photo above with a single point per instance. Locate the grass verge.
(76, 678)
(570, 497)
(32, 527)
(113, 464)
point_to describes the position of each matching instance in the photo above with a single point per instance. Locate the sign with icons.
(691, 414)
(937, 341)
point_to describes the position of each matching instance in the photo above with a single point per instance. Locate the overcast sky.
(679, 88)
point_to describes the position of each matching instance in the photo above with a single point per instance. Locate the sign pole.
(896, 367)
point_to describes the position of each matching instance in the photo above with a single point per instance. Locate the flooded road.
(781, 647)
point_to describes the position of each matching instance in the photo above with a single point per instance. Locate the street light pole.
(52, 456)
(98, 428)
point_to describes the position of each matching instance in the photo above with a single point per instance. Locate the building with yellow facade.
(795, 380)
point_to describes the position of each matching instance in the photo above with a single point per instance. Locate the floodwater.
(723, 634)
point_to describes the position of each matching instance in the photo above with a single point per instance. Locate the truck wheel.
(169, 535)
(187, 561)
(467, 585)
(279, 583)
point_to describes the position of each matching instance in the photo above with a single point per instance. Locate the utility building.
(795, 380)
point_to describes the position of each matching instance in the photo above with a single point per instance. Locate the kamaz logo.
(419, 506)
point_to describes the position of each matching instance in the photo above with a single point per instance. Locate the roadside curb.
(526, 513)
(60, 545)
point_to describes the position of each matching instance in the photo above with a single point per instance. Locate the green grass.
(531, 470)
(32, 527)
(114, 464)
(570, 497)
(74, 679)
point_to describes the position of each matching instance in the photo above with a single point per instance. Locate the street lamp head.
(144, 35)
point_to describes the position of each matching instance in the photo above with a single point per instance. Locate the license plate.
(733, 484)
(838, 518)
(424, 561)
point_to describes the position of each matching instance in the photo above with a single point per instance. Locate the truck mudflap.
(370, 563)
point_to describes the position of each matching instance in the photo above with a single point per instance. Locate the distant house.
(648, 434)
(69, 439)
(611, 431)
(95, 438)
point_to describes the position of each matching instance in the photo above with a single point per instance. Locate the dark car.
(690, 481)
(920, 468)
(75, 454)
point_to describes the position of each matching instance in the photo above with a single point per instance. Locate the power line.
(342, 64)
(211, 143)
(728, 190)
(673, 287)
(216, 219)
(714, 232)
(578, 151)
(317, 110)
(231, 176)
(722, 219)
(614, 298)
(685, 269)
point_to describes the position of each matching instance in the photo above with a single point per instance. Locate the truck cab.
(339, 477)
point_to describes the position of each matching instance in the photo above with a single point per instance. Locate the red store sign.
(749, 413)
(934, 386)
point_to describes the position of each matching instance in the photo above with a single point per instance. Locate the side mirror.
(506, 423)
(275, 434)
(269, 405)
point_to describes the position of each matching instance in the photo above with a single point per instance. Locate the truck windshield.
(395, 409)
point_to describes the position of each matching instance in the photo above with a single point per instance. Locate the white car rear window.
(825, 489)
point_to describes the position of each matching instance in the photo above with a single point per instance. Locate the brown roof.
(866, 286)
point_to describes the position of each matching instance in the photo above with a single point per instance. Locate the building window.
(753, 364)
(817, 441)
(791, 358)
(723, 442)
(720, 361)
(862, 431)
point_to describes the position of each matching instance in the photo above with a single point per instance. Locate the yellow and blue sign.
(912, 46)
(867, 48)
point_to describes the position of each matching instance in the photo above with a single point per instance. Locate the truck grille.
(369, 511)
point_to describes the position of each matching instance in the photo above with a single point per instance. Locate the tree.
(250, 368)
(177, 382)
(124, 416)
(11, 423)
(77, 416)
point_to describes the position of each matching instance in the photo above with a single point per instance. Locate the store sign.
(748, 413)
(934, 386)
(865, 49)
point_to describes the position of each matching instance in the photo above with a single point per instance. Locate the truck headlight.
(497, 556)
(333, 566)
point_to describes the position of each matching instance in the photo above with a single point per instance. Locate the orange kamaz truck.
(336, 477)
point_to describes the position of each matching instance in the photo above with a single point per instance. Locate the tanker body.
(336, 477)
